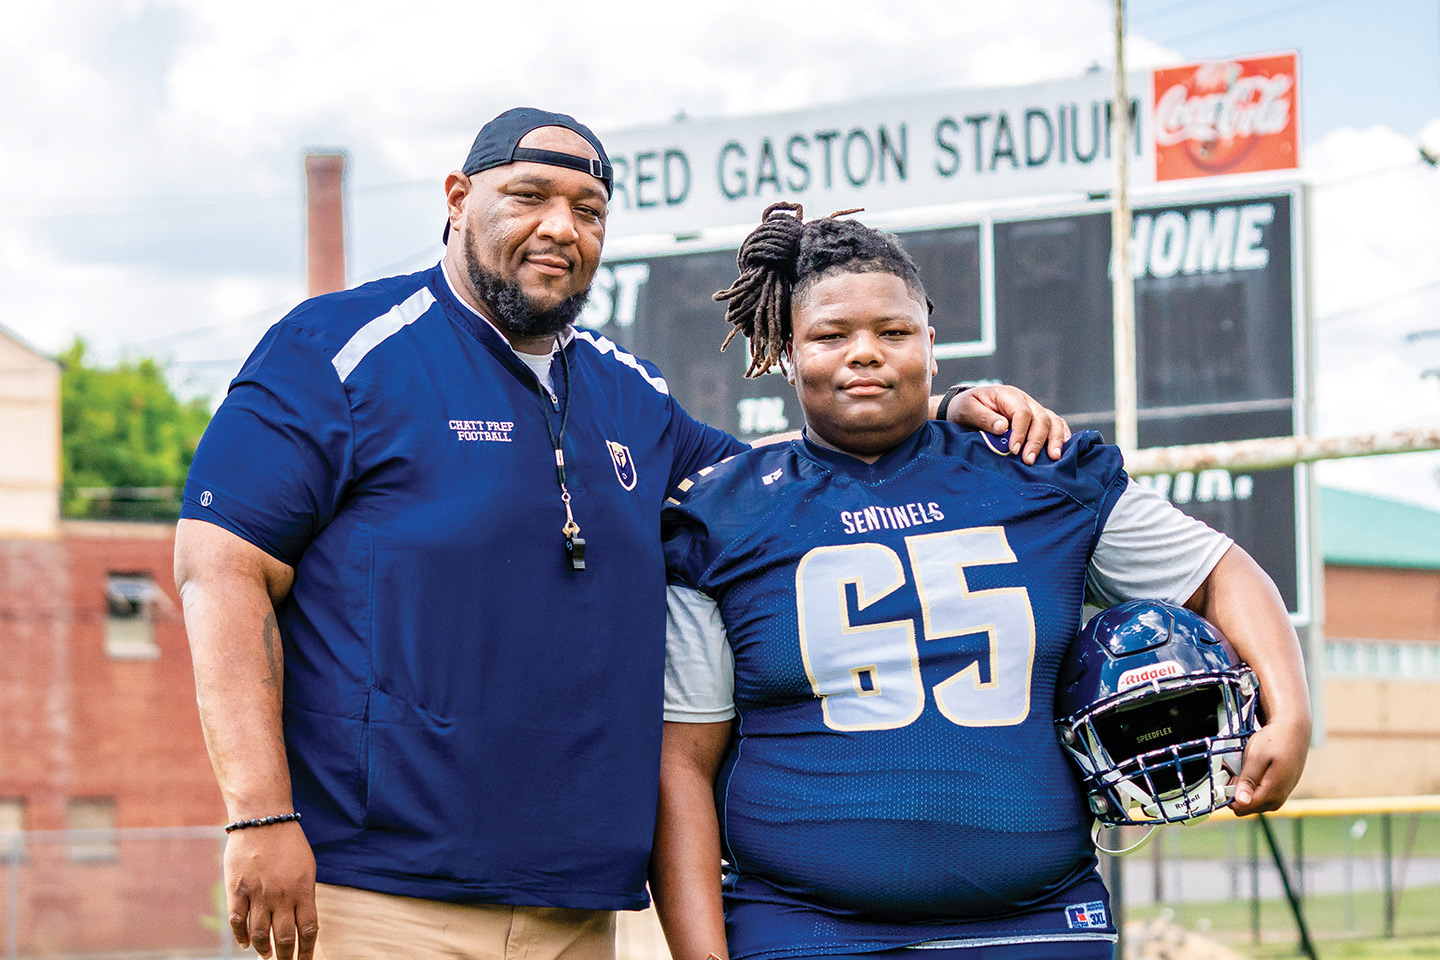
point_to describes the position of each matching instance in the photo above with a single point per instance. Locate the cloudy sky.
(150, 152)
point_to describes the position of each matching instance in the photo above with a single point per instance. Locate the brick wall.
(76, 723)
(1382, 736)
(1382, 603)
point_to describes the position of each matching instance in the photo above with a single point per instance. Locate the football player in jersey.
(864, 641)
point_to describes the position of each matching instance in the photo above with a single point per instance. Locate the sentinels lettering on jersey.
(897, 628)
(890, 518)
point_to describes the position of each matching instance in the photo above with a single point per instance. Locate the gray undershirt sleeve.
(699, 667)
(1151, 550)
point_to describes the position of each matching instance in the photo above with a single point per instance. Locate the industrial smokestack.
(325, 222)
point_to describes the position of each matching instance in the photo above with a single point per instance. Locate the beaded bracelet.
(261, 822)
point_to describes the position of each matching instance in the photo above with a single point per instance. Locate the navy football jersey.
(897, 629)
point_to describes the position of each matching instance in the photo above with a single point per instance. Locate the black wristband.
(942, 411)
(261, 822)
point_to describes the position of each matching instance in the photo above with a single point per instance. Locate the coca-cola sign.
(1227, 116)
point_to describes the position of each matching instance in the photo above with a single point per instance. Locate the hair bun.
(775, 244)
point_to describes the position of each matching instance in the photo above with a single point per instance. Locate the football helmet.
(1155, 708)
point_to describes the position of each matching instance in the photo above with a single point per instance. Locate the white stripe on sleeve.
(606, 345)
(375, 332)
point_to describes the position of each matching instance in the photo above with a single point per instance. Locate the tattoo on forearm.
(274, 655)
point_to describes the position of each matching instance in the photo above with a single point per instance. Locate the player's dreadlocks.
(785, 254)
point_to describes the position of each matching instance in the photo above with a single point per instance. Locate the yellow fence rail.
(1351, 806)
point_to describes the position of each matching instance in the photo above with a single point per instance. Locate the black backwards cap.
(498, 143)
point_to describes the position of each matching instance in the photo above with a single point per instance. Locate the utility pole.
(1127, 433)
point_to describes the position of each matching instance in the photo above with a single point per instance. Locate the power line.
(155, 205)
(177, 336)
(1368, 174)
(390, 269)
(143, 206)
(1160, 11)
(1383, 301)
(189, 332)
(1247, 21)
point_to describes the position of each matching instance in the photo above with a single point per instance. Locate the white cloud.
(153, 160)
(1376, 281)
(151, 181)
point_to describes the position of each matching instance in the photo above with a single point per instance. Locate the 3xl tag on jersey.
(1085, 916)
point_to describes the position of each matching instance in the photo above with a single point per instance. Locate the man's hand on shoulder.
(996, 408)
(270, 885)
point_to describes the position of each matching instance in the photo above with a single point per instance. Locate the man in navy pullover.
(422, 576)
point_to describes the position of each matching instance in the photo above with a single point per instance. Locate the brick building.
(101, 755)
(99, 735)
(1382, 649)
(97, 699)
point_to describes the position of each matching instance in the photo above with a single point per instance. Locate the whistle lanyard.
(574, 544)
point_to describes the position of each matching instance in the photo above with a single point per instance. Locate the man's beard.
(513, 311)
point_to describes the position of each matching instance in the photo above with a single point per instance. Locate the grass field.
(1329, 917)
(1411, 948)
(1343, 926)
(1417, 834)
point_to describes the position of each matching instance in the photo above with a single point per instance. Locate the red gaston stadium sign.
(1227, 116)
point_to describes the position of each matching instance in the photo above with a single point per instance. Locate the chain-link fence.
(103, 893)
(146, 894)
(1353, 876)
(152, 893)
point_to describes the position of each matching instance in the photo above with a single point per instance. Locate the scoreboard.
(1026, 299)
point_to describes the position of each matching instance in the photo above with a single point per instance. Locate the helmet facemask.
(1167, 751)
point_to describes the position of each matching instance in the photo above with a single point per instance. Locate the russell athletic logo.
(1155, 671)
(1085, 916)
(624, 464)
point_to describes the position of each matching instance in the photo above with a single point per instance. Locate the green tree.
(125, 432)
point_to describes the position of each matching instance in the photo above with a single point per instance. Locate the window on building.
(130, 616)
(1383, 659)
(12, 827)
(1390, 660)
(91, 822)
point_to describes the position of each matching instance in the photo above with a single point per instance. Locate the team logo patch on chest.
(492, 431)
(624, 463)
(1085, 916)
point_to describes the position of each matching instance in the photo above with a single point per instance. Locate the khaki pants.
(365, 925)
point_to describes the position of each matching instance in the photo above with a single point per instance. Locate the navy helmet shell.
(1127, 637)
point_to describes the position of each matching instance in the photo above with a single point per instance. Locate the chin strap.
(1095, 839)
(1096, 826)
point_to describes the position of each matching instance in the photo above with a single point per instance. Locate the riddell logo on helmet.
(1156, 671)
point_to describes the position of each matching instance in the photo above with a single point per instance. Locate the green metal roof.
(1360, 530)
